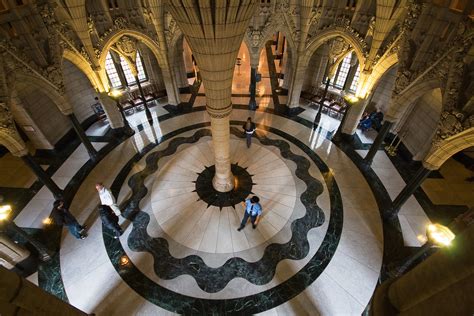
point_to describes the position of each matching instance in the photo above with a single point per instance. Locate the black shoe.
(83, 237)
(239, 229)
(254, 226)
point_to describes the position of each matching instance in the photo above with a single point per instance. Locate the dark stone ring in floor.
(297, 248)
(207, 193)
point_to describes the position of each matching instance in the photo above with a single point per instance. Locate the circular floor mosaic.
(214, 279)
(192, 213)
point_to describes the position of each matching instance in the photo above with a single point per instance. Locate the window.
(342, 72)
(141, 70)
(127, 72)
(112, 72)
(355, 81)
(117, 73)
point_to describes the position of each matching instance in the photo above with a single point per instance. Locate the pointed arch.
(450, 146)
(82, 64)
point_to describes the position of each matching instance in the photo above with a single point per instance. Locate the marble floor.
(318, 249)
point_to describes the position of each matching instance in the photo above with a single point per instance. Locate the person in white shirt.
(106, 198)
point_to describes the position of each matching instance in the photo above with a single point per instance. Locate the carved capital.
(219, 112)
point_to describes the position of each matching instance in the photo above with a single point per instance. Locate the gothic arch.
(15, 146)
(268, 32)
(145, 39)
(380, 69)
(58, 99)
(409, 95)
(85, 67)
(331, 33)
(447, 148)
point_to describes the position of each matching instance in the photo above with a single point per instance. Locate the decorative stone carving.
(127, 46)
(171, 28)
(342, 23)
(7, 124)
(450, 124)
(16, 59)
(338, 47)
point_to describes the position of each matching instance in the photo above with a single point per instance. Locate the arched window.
(355, 80)
(112, 72)
(342, 72)
(117, 72)
(127, 72)
(141, 70)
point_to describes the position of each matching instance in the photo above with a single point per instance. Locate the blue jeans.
(249, 139)
(75, 229)
(246, 218)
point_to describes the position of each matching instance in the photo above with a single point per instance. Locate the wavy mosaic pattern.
(268, 299)
(211, 279)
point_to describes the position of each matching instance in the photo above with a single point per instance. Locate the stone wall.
(44, 112)
(421, 124)
(79, 91)
(383, 91)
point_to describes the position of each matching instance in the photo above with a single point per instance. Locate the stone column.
(298, 74)
(42, 176)
(214, 33)
(21, 297)
(288, 66)
(377, 142)
(82, 136)
(353, 117)
(111, 111)
(253, 87)
(440, 285)
(180, 68)
(408, 190)
(280, 44)
(149, 117)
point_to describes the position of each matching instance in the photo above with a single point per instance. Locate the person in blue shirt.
(253, 209)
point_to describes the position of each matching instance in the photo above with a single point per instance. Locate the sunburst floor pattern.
(191, 212)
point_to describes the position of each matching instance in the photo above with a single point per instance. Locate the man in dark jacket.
(62, 216)
(110, 220)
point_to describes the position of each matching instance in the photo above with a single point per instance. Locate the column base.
(293, 111)
(223, 185)
(252, 104)
(123, 131)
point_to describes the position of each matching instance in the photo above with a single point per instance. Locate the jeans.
(249, 139)
(75, 229)
(115, 227)
(246, 218)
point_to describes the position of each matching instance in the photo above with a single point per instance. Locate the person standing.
(253, 209)
(107, 198)
(62, 216)
(110, 220)
(249, 128)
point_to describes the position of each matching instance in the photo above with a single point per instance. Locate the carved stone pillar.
(440, 285)
(377, 142)
(287, 65)
(353, 117)
(10, 138)
(253, 87)
(215, 43)
(82, 136)
(111, 111)
(407, 191)
(42, 176)
(21, 297)
(180, 68)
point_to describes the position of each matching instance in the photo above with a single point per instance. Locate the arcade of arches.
(364, 114)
